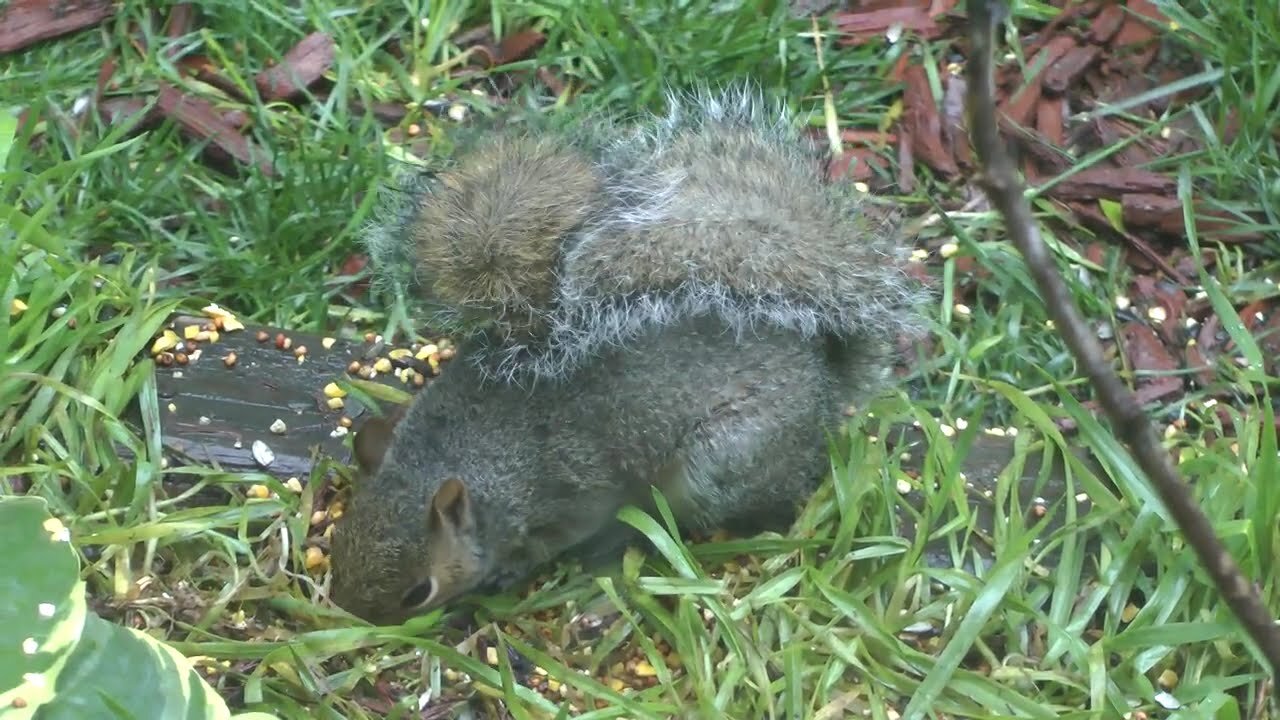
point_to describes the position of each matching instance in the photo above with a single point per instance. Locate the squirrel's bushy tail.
(550, 246)
(721, 206)
(483, 236)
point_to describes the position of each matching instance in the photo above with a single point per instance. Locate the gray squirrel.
(682, 302)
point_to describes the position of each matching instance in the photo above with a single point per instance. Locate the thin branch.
(1004, 188)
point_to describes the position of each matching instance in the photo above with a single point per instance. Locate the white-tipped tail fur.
(717, 207)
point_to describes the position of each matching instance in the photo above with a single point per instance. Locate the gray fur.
(391, 255)
(733, 431)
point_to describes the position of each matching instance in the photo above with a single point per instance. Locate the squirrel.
(547, 244)
(695, 307)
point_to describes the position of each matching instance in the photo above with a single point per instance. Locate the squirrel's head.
(393, 560)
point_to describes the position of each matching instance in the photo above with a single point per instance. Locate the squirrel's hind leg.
(752, 472)
(751, 482)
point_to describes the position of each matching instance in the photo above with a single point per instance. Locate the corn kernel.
(167, 341)
(315, 558)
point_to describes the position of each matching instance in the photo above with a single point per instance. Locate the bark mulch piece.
(1111, 182)
(1094, 52)
(516, 46)
(182, 17)
(863, 152)
(1150, 359)
(198, 118)
(26, 22)
(1137, 40)
(1163, 213)
(1020, 106)
(922, 124)
(300, 68)
(873, 19)
(1068, 67)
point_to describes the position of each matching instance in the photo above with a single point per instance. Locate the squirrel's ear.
(373, 438)
(451, 505)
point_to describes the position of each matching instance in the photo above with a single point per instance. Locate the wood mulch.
(1095, 55)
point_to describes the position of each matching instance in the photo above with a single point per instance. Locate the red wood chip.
(1021, 105)
(1112, 130)
(863, 161)
(1107, 23)
(1146, 354)
(1110, 183)
(862, 26)
(1067, 68)
(1173, 301)
(920, 120)
(1197, 360)
(181, 18)
(1137, 41)
(1163, 213)
(1074, 9)
(306, 63)
(26, 22)
(1050, 120)
(197, 117)
(117, 110)
(519, 45)
(954, 126)
(906, 164)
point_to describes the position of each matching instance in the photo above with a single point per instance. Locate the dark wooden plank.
(1037, 500)
(212, 412)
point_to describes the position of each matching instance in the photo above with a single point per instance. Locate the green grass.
(102, 235)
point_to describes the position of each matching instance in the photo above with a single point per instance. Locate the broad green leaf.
(73, 664)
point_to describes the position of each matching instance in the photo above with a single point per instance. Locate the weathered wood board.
(213, 411)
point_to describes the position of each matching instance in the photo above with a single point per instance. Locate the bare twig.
(1004, 188)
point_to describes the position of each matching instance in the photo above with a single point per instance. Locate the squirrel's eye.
(419, 594)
